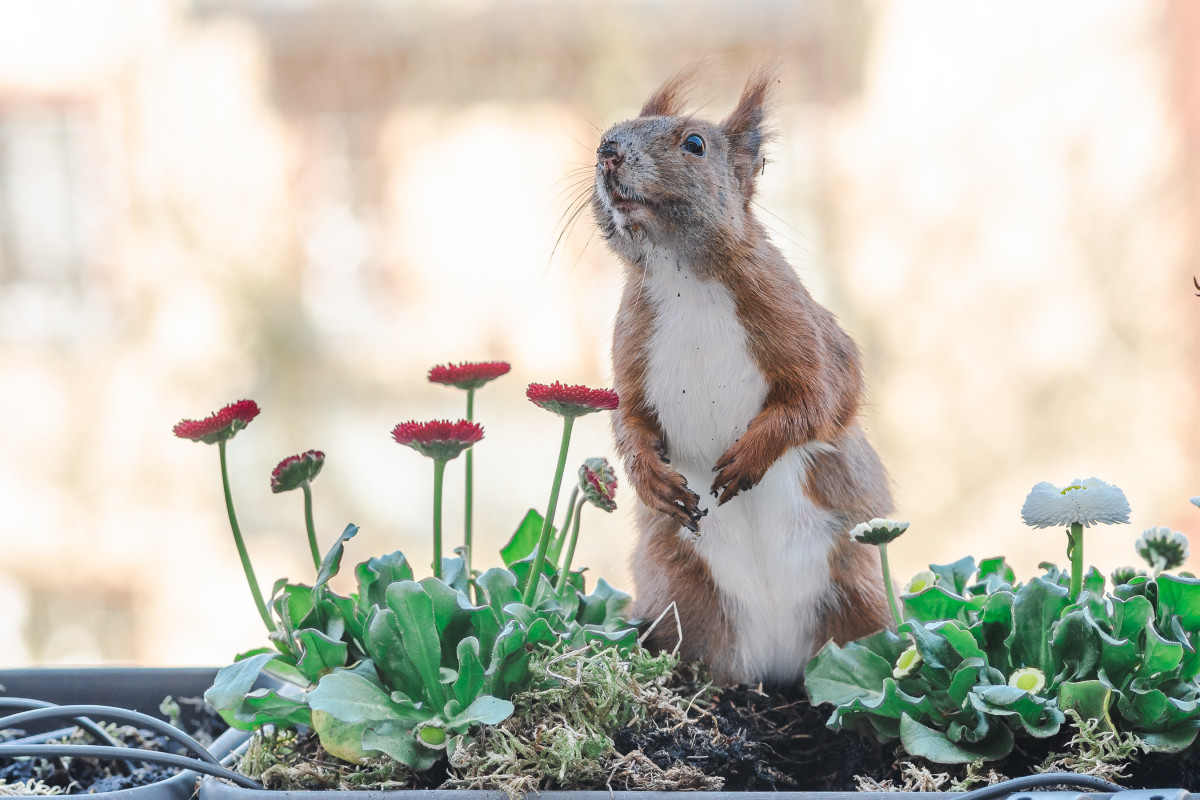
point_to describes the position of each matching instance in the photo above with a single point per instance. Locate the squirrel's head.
(670, 180)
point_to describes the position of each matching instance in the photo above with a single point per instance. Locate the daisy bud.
(1030, 679)
(598, 482)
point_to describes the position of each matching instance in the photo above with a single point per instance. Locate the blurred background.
(311, 202)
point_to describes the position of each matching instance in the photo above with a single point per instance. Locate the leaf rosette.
(1129, 658)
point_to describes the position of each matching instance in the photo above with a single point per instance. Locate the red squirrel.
(739, 399)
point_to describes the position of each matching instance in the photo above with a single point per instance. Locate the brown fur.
(668, 570)
(858, 606)
(697, 206)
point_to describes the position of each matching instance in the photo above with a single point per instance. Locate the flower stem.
(439, 470)
(565, 572)
(887, 583)
(539, 556)
(308, 523)
(557, 546)
(470, 498)
(241, 544)
(1075, 553)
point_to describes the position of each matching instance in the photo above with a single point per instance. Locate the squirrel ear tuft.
(745, 126)
(668, 100)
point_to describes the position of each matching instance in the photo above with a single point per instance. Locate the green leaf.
(1179, 597)
(398, 742)
(971, 672)
(953, 577)
(376, 574)
(485, 710)
(469, 682)
(961, 640)
(996, 567)
(1075, 643)
(935, 603)
(605, 607)
(345, 614)
(319, 653)
(234, 682)
(838, 675)
(267, 707)
(1158, 654)
(993, 629)
(1090, 699)
(882, 710)
(454, 573)
(1037, 606)
(333, 559)
(1145, 706)
(524, 539)
(340, 739)
(545, 591)
(452, 615)
(622, 640)
(294, 605)
(1002, 695)
(499, 588)
(1130, 616)
(414, 615)
(1035, 715)
(1093, 582)
(284, 668)
(925, 742)
(508, 667)
(387, 649)
(351, 698)
(1172, 740)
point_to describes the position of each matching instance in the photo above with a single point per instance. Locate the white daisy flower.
(1081, 503)
(1162, 548)
(877, 531)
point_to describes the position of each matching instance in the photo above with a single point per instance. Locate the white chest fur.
(767, 549)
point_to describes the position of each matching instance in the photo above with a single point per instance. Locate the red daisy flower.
(598, 482)
(468, 375)
(295, 471)
(439, 439)
(571, 401)
(218, 427)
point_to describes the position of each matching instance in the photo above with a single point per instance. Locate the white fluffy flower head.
(1083, 503)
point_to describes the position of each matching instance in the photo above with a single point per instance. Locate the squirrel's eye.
(694, 145)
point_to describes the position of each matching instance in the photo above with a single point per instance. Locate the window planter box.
(135, 689)
(212, 789)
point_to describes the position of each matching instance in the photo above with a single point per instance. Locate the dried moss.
(560, 736)
(1095, 750)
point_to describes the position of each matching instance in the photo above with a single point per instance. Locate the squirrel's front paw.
(736, 472)
(667, 492)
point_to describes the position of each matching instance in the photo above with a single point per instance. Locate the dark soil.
(765, 741)
(87, 775)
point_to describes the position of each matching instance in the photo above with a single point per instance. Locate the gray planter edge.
(135, 688)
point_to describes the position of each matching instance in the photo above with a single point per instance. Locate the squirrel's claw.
(667, 492)
(731, 480)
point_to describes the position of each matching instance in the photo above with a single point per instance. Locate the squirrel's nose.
(609, 157)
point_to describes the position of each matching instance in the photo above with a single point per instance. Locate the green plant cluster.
(944, 684)
(403, 667)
